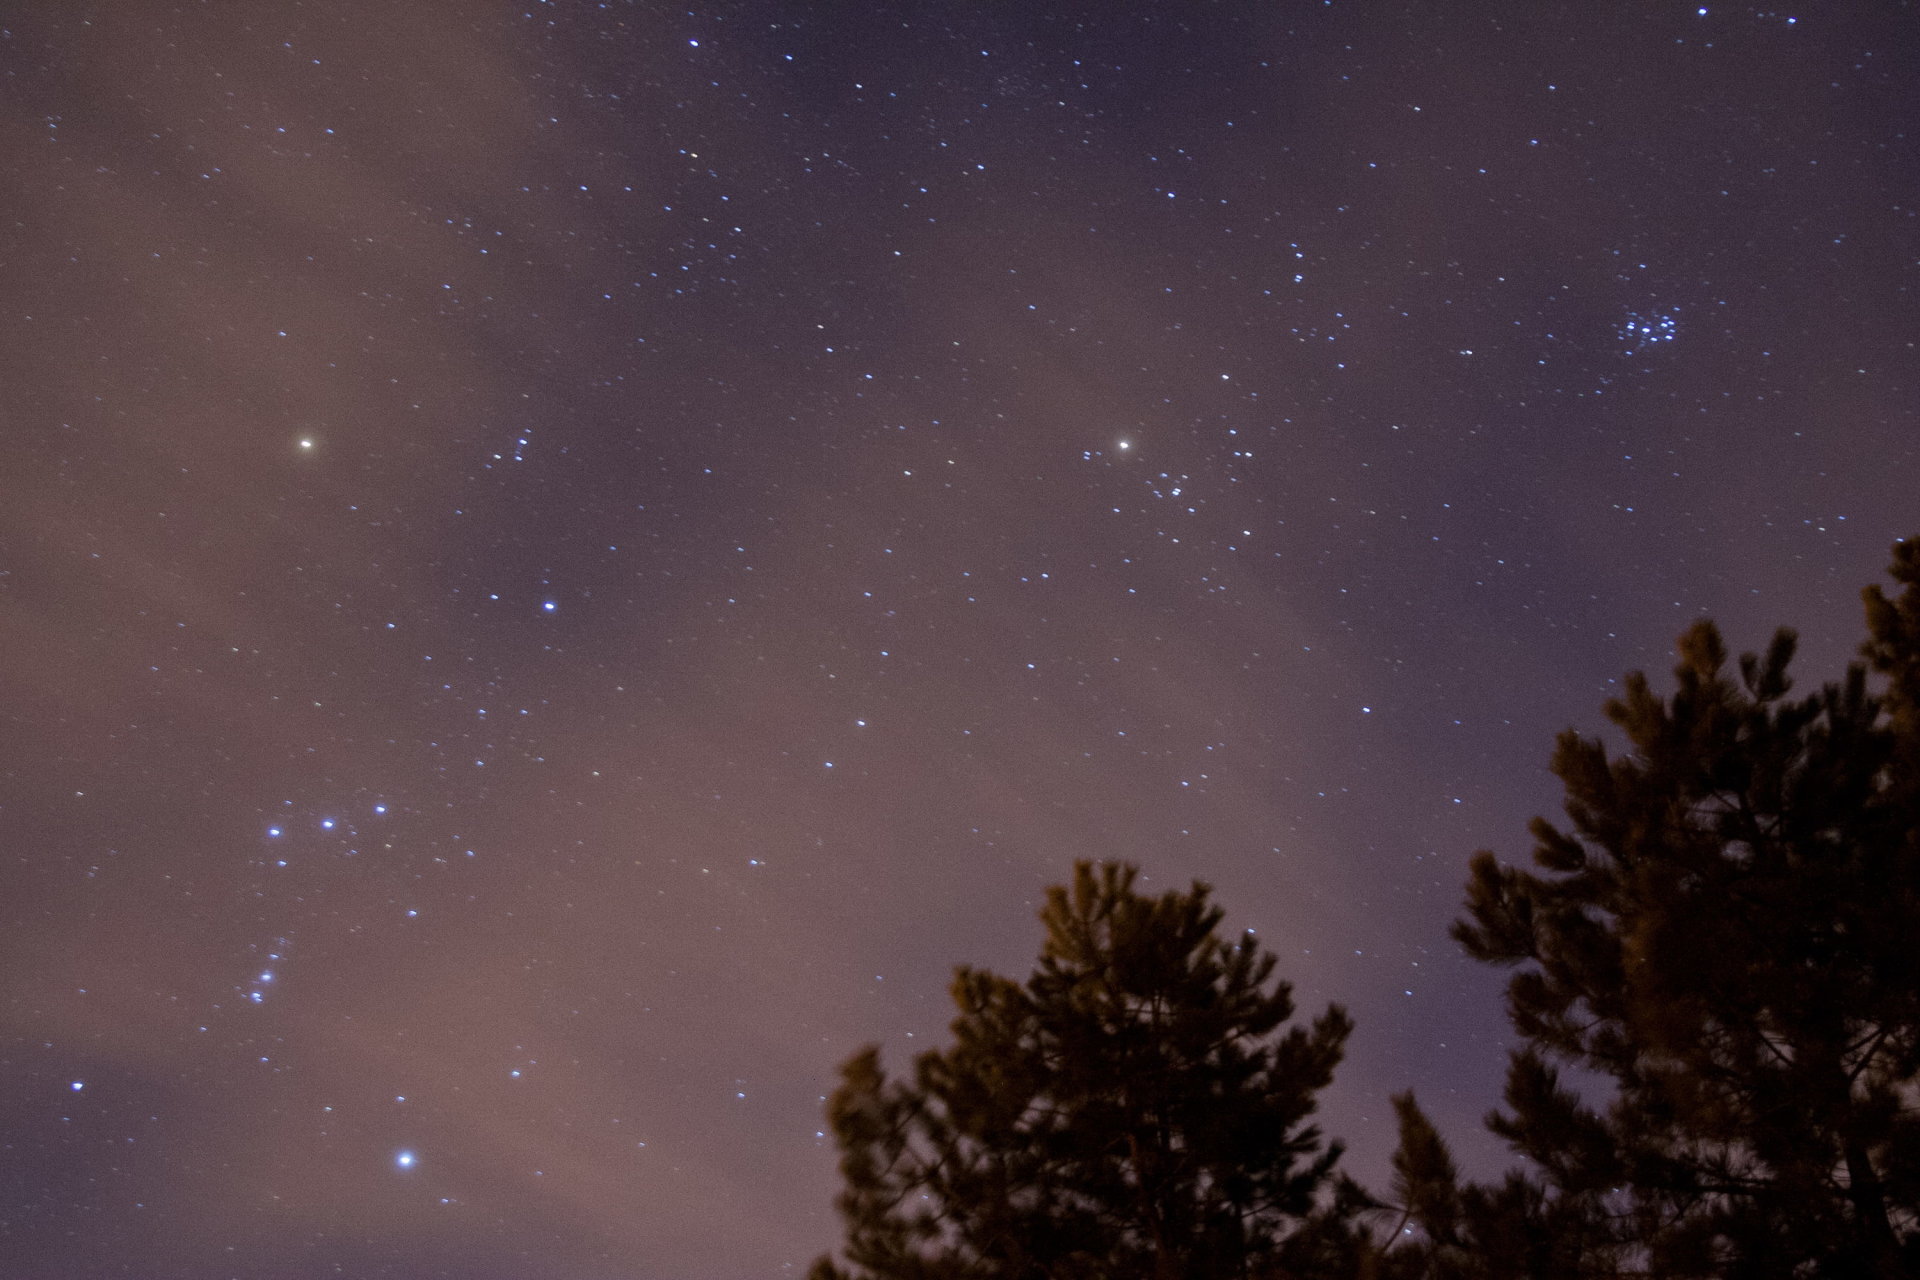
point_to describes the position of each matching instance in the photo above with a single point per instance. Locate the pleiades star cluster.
(561, 563)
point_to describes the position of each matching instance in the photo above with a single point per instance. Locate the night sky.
(561, 564)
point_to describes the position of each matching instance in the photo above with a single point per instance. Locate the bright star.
(404, 1159)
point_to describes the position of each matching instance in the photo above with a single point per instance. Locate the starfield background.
(562, 563)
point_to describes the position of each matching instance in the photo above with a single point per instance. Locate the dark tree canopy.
(1133, 1110)
(1727, 931)
(1724, 938)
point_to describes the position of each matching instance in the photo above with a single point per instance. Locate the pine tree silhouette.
(1132, 1110)
(1727, 933)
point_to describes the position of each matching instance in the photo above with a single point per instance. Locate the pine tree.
(1728, 932)
(1133, 1110)
(1514, 1230)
